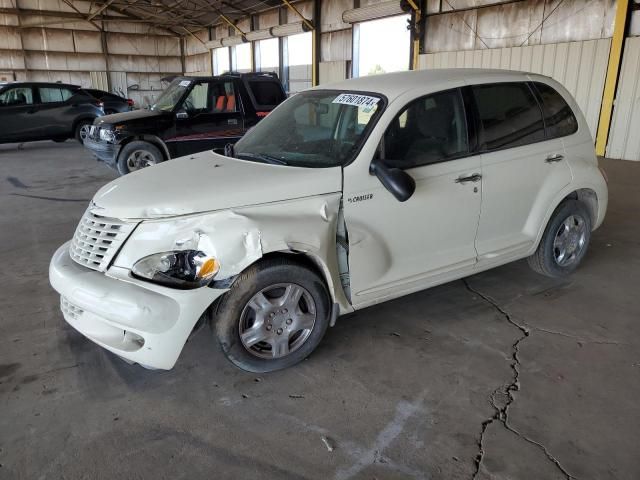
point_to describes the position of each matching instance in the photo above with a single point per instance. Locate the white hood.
(206, 182)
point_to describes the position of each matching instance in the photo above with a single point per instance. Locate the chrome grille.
(69, 310)
(98, 239)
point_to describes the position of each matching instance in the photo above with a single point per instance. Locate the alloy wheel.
(570, 240)
(277, 320)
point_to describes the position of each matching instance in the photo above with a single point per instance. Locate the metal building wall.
(45, 47)
(624, 137)
(579, 66)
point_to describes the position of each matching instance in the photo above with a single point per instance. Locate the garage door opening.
(381, 46)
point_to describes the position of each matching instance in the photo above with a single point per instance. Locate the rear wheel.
(273, 317)
(82, 130)
(137, 155)
(565, 240)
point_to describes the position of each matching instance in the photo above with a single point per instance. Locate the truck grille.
(98, 239)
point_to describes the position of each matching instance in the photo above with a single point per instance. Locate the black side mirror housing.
(398, 182)
(182, 114)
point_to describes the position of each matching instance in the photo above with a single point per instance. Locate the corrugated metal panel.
(99, 80)
(579, 66)
(624, 140)
(333, 71)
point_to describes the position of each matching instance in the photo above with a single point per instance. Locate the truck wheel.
(82, 130)
(274, 316)
(137, 155)
(564, 242)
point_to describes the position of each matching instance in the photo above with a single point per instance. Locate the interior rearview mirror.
(398, 182)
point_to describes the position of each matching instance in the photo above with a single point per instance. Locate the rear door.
(55, 114)
(523, 169)
(17, 114)
(209, 118)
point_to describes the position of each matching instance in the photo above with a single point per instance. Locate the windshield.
(172, 95)
(317, 128)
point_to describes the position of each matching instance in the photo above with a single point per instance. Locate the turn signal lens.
(185, 269)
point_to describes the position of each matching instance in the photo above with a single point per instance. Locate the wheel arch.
(152, 139)
(585, 195)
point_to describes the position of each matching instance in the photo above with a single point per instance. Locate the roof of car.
(41, 84)
(232, 75)
(393, 85)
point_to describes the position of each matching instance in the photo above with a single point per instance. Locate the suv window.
(509, 115)
(429, 130)
(54, 94)
(211, 97)
(17, 96)
(266, 94)
(559, 120)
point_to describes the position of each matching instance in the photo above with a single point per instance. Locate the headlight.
(107, 135)
(182, 269)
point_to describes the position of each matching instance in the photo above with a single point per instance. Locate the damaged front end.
(144, 304)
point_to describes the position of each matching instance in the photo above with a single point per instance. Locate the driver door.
(399, 247)
(209, 118)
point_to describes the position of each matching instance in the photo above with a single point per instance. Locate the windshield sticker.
(185, 83)
(364, 101)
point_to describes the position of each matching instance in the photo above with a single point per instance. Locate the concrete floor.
(505, 375)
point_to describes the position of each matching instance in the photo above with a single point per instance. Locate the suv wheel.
(274, 316)
(137, 155)
(564, 242)
(82, 130)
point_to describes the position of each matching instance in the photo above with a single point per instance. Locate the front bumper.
(104, 152)
(138, 321)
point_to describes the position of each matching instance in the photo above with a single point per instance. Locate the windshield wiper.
(262, 157)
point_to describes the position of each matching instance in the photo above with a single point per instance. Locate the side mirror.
(399, 183)
(182, 114)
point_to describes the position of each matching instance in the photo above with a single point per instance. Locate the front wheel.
(273, 317)
(564, 242)
(137, 155)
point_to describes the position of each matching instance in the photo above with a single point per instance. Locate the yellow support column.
(615, 54)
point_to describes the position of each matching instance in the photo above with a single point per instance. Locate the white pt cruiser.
(345, 196)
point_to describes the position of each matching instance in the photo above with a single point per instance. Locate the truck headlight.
(184, 269)
(108, 136)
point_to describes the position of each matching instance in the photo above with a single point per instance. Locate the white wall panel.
(579, 66)
(333, 71)
(624, 136)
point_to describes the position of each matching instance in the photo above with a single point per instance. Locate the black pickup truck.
(192, 115)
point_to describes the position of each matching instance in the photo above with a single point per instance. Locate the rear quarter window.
(559, 119)
(265, 94)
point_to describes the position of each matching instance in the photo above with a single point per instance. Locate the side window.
(509, 115)
(429, 130)
(66, 94)
(16, 96)
(223, 97)
(266, 93)
(196, 101)
(559, 120)
(53, 94)
(211, 97)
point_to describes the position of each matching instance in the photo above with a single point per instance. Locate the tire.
(82, 130)
(565, 241)
(260, 292)
(137, 155)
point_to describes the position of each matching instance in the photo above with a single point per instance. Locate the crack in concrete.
(502, 412)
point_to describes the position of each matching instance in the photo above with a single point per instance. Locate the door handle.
(476, 177)
(556, 157)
